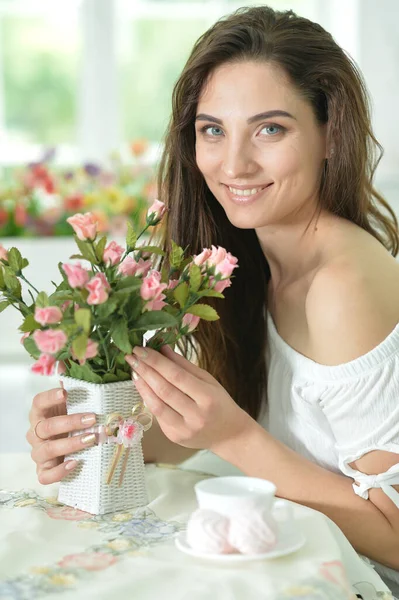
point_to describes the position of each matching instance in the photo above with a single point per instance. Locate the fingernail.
(141, 353)
(61, 394)
(88, 439)
(132, 360)
(135, 376)
(88, 419)
(71, 464)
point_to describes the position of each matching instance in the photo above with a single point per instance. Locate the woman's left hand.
(191, 407)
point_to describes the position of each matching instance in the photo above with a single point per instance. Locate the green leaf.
(79, 345)
(195, 277)
(107, 308)
(60, 296)
(42, 300)
(131, 237)
(129, 282)
(29, 324)
(176, 255)
(209, 294)
(120, 335)
(25, 263)
(151, 250)
(83, 318)
(155, 319)
(110, 378)
(204, 311)
(3, 305)
(12, 283)
(2, 282)
(84, 372)
(86, 250)
(181, 293)
(30, 346)
(69, 328)
(15, 260)
(80, 256)
(122, 375)
(100, 248)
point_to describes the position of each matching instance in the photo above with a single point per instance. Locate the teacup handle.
(282, 510)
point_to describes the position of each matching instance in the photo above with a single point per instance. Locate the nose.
(239, 160)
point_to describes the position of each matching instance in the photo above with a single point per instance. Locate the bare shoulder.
(353, 302)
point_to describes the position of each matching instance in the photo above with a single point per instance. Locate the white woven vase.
(85, 487)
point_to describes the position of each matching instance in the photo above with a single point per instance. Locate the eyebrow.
(260, 117)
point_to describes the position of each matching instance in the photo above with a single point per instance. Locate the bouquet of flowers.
(38, 199)
(94, 317)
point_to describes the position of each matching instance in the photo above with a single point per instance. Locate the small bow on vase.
(125, 433)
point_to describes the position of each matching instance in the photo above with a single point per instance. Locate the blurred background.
(85, 97)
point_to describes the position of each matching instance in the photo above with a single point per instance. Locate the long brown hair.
(233, 348)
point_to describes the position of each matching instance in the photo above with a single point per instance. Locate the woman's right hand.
(49, 416)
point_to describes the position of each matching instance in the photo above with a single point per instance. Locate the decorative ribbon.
(125, 433)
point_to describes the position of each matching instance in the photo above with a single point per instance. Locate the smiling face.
(259, 145)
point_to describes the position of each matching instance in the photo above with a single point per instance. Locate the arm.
(367, 528)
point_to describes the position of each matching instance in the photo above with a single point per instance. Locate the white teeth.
(244, 192)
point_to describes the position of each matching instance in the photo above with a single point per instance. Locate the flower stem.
(104, 345)
(29, 283)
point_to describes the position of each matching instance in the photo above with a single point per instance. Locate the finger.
(165, 391)
(45, 400)
(162, 411)
(173, 373)
(47, 476)
(56, 448)
(185, 364)
(60, 425)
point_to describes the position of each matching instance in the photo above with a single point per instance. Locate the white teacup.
(234, 494)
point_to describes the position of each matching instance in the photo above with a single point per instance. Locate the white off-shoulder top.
(333, 415)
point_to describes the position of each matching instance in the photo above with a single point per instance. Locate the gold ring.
(35, 432)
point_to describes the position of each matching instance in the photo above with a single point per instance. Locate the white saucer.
(290, 540)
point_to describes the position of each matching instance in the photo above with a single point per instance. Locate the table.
(47, 548)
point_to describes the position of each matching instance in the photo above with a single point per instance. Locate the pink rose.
(45, 365)
(173, 283)
(202, 258)
(76, 274)
(221, 285)
(3, 253)
(156, 212)
(48, 315)
(226, 266)
(131, 267)
(91, 351)
(84, 225)
(98, 287)
(218, 254)
(112, 254)
(191, 321)
(151, 290)
(50, 341)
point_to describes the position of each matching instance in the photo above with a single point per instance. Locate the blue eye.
(275, 129)
(216, 131)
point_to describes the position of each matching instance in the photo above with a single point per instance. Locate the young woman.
(270, 154)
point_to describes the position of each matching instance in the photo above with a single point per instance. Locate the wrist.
(234, 447)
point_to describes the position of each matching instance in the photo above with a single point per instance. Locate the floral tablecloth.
(47, 549)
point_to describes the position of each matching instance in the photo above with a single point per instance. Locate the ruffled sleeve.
(363, 413)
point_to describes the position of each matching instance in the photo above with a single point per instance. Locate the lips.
(243, 197)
